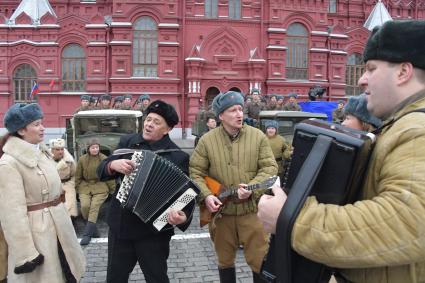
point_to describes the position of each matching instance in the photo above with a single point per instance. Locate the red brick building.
(184, 52)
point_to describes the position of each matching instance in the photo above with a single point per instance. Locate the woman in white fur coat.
(41, 242)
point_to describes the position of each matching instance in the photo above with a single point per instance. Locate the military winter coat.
(291, 107)
(28, 177)
(247, 159)
(380, 239)
(66, 169)
(281, 150)
(86, 180)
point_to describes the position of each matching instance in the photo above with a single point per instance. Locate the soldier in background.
(272, 104)
(65, 165)
(117, 102)
(211, 124)
(280, 102)
(338, 115)
(292, 104)
(126, 104)
(253, 109)
(94, 103)
(143, 103)
(105, 102)
(85, 103)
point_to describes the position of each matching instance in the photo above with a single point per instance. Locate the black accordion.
(154, 187)
(329, 161)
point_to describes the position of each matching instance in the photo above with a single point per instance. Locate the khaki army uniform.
(91, 191)
(281, 151)
(82, 108)
(246, 159)
(291, 107)
(253, 109)
(338, 115)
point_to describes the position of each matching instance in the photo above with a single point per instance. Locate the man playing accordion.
(379, 238)
(130, 240)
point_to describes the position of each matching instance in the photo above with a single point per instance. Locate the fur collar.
(25, 152)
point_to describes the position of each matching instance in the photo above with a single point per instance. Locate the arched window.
(354, 71)
(209, 96)
(211, 8)
(234, 9)
(73, 68)
(23, 80)
(145, 48)
(297, 52)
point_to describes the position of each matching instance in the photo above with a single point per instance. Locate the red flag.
(51, 84)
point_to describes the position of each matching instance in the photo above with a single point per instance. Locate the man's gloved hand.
(29, 266)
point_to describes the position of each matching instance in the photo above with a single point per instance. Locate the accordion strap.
(296, 198)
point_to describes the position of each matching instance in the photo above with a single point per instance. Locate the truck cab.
(106, 125)
(287, 120)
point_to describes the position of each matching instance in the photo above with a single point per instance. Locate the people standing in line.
(127, 102)
(130, 240)
(91, 191)
(358, 117)
(66, 167)
(41, 242)
(117, 102)
(146, 100)
(211, 124)
(105, 101)
(281, 149)
(85, 103)
(338, 114)
(292, 104)
(380, 238)
(235, 155)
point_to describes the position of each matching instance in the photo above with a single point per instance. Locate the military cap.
(225, 100)
(357, 106)
(119, 99)
(128, 96)
(292, 94)
(271, 124)
(85, 97)
(57, 143)
(105, 97)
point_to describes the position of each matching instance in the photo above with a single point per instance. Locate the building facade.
(184, 52)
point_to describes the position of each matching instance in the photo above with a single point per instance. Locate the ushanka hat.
(85, 97)
(225, 100)
(271, 124)
(57, 143)
(105, 97)
(20, 115)
(397, 42)
(357, 106)
(164, 110)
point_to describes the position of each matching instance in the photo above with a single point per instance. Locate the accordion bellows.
(154, 187)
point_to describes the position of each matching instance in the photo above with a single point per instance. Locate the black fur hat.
(397, 42)
(165, 110)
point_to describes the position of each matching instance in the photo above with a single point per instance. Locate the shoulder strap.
(379, 130)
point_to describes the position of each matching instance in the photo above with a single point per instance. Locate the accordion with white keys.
(154, 187)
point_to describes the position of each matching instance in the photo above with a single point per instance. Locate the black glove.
(29, 266)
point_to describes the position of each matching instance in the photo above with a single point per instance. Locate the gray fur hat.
(225, 100)
(292, 94)
(20, 115)
(271, 124)
(357, 106)
(397, 42)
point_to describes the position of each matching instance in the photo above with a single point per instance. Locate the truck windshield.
(89, 125)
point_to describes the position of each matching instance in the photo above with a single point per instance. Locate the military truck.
(287, 120)
(106, 125)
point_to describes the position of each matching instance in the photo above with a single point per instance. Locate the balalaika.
(329, 162)
(155, 186)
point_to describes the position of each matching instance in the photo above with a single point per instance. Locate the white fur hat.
(57, 143)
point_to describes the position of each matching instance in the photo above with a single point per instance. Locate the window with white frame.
(23, 81)
(354, 70)
(297, 52)
(145, 48)
(73, 68)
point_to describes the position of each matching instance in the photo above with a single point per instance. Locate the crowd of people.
(105, 101)
(380, 238)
